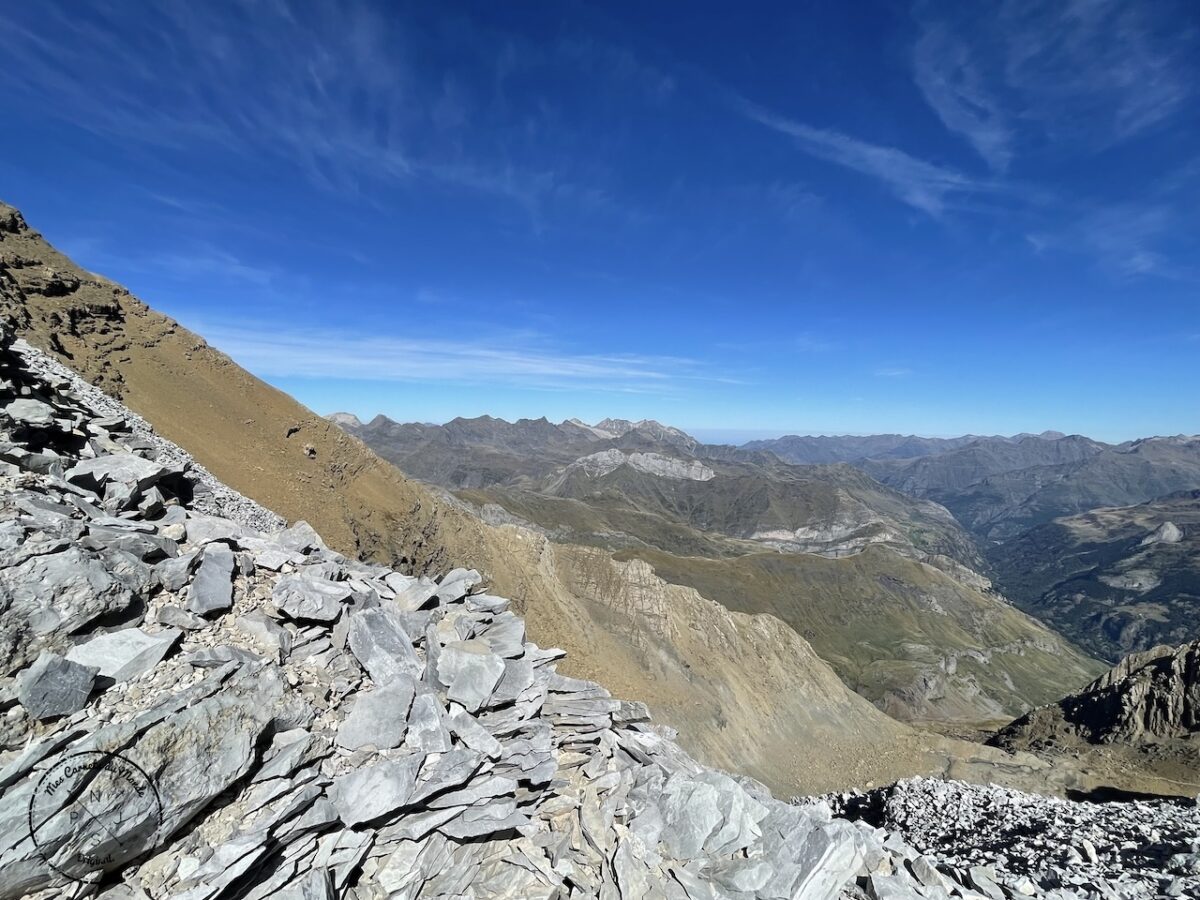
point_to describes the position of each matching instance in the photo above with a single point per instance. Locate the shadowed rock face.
(1146, 697)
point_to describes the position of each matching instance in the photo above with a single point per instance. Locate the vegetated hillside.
(747, 693)
(919, 644)
(999, 489)
(1115, 580)
(1139, 719)
(911, 624)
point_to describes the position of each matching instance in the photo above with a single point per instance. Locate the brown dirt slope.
(745, 692)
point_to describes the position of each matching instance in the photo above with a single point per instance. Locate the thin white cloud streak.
(946, 72)
(333, 89)
(1010, 76)
(923, 185)
(496, 360)
(893, 372)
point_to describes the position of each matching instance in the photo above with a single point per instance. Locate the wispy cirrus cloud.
(1018, 75)
(517, 360)
(343, 92)
(948, 75)
(893, 372)
(926, 186)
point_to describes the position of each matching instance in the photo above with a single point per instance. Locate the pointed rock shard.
(212, 588)
(470, 671)
(266, 632)
(122, 655)
(474, 735)
(379, 717)
(379, 642)
(373, 791)
(426, 725)
(306, 598)
(54, 686)
(316, 885)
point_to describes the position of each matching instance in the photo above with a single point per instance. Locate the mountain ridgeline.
(746, 693)
(886, 587)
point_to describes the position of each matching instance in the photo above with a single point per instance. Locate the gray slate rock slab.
(300, 538)
(31, 412)
(305, 598)
(380, 643)
(470, 671)
(212, 588)
(174, 617)
(379, 718)
(122, 655)
(54, 686)
(427, 729)
(133, 472)
(266, 632)
(376, 790)
(49, 597)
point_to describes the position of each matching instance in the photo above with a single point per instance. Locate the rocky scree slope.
(1115, 580)
(195, 708)
(746, 693)
(1009, 844)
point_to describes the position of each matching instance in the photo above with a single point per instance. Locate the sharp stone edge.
(277, 720)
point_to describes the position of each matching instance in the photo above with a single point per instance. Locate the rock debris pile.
(1006, 843)
(192, 707)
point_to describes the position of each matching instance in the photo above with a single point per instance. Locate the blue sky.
(937, 218)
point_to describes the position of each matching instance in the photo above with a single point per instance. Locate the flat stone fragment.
(300, 538)
(380, 643)
(379, 717)
(215, 657)
(54, 686)
(51, 596)
(474, 735)
(315, 885)
(31, 412)
(212, 588)
(376, 790)
(266, 632)
(426, 725)
(470, 671)
(135, 472)
(308, 599)
(275, 558)
(203, 529)
(122, 655)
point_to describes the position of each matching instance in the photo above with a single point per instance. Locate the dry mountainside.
(746, 693)
(885, 587)
(196, 708)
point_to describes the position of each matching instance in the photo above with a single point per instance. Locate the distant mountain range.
(1114, 580)
(887, 587)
